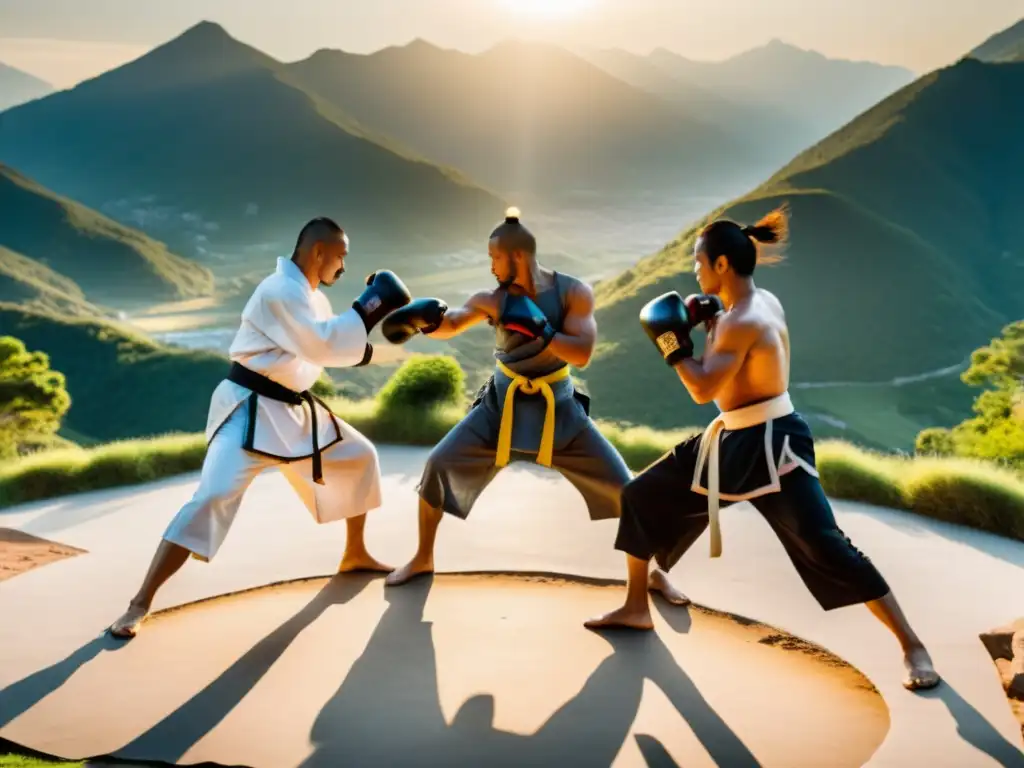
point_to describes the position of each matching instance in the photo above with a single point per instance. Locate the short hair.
(316, 231)
(738, 244)
(513, 236)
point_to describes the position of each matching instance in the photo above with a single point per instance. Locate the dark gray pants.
(462, 465)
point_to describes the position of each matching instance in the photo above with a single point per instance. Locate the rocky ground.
(1006, 646)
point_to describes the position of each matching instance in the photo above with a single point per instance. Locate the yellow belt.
(528, 386)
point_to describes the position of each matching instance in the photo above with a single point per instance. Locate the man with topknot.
(529, 409)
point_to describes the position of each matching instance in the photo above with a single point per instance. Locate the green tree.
(996, 432)
(33, 398)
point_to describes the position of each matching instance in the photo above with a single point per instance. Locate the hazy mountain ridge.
(1002, 47)
(18, 87)
(530, 119)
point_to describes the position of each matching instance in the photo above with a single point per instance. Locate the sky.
(66, 41)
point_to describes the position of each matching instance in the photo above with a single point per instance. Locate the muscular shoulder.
(738, 328)
(772, 302)
(579, 296)
(485, 302)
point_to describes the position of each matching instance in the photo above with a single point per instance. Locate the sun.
(547, 8)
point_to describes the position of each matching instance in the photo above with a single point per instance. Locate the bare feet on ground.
(128, 625)
(626, 617)
(921, 674)
(362, 561)
(413, 568)
(658, 582)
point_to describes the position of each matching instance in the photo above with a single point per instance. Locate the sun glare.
(547, 8)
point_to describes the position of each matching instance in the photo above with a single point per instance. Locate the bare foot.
(625, 617)
(921, 674)
(415, 567)
(128, 625)
(658, 582)
(362, 561)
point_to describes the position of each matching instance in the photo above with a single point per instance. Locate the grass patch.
(961, 491)
(424, 400)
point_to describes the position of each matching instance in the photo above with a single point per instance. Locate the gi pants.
(351, 473)
(771, 464)
(463, 464)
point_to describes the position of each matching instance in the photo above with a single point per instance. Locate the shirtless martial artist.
(529, 409)
(262, 415)
(758, 449)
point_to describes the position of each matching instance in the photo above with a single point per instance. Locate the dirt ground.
(21, 552)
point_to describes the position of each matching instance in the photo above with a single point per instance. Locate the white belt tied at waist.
(740, 418)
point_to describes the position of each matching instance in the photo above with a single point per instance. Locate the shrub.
(424, 382)
(935, 441)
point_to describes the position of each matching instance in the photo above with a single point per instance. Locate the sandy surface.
(954, 584)
(450, 671)
(21, 552)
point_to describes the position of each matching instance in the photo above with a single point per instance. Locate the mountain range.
(776, 98)
(220, 150)
(904, 252)
(17, 87)
(207, 144)
(532, 120)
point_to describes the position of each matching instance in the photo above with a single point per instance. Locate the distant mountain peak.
(204, 51)
(9, 72)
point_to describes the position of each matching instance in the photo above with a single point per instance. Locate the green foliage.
(424, 381)
(123, 385)
(324, 386)
(996, 432)
(33, 398)
(935, 441)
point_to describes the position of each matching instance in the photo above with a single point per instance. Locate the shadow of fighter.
(529, 409)
(388, 709)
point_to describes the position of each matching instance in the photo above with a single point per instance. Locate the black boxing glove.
(667, 324)
(521, 315)
(419, 316)
(702, 308)
(384, 293)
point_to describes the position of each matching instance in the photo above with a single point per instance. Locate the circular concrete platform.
(456, 669)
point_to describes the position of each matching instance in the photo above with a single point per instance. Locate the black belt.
(261, 385)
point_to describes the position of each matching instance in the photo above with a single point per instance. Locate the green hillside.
(96, 257)
(207, 144)
(121, 384)
(532, 120)
(32, 284)
(904, 257)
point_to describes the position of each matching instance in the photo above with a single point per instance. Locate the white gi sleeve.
(289, 321)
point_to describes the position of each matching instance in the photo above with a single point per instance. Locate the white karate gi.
(289, 334)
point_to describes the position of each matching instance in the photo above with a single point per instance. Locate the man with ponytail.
(759, 449)
(529, 409)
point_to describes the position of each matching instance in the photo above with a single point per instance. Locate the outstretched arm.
(575, 343)
(287, 319)
(727, 350)
(480, 306)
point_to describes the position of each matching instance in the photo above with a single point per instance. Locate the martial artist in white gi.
(262, 415)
